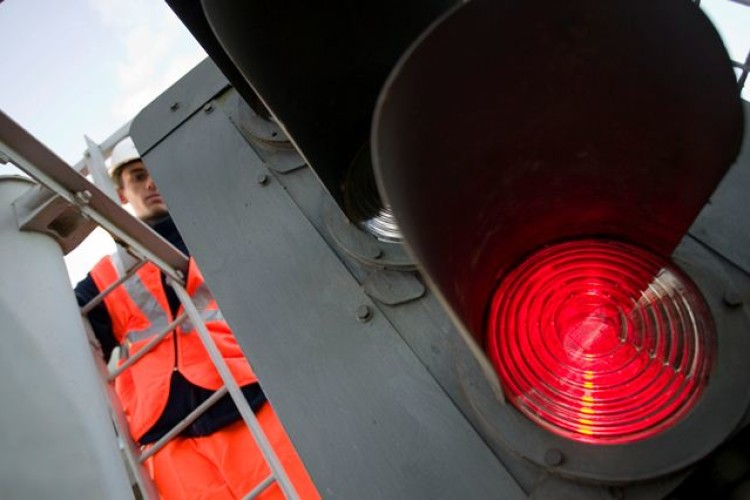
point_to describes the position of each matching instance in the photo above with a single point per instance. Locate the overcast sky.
(78, 67)
(86, 67)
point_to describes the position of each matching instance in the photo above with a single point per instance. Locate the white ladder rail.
(277, 470)
(27, 153)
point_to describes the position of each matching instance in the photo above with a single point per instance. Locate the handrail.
(103, 294)
(27, 153)
(147, 348)
(30, 155)
(235, 392)
(183, 424)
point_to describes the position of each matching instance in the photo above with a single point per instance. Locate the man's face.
(139, 190)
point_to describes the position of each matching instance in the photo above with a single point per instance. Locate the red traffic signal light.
(509, 130)
(601, 342)
(569, 146)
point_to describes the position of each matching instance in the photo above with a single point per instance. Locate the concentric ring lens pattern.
(600, 341)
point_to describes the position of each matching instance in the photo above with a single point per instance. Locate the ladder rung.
(97, 300)
(183, 424)
(135, 357)
(260, 488)
(261, 440)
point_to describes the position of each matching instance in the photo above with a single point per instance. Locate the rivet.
(263, 179)
(208, 107)
(4, 158)
(553, 457)
(83, 197)
(364, 313)
(732, 298)
(175, 106)
(377, 253)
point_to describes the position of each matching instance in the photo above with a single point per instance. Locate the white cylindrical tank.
(56, 436)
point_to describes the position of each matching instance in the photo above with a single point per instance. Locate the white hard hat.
(122, 154)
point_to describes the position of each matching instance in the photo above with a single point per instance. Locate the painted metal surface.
(422, 324)
(277, 469)
(43, 211)
(105, 148)
(98, 169)
(38, 161)
(719, 225)
(177, 104)
(57, 437)
(367, 418)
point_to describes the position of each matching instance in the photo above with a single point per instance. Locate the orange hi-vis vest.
(139, 310)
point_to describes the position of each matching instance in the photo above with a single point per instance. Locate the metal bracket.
(393, 288)
(268, 138)
(43, 211)
(35, 159)
(362, 246)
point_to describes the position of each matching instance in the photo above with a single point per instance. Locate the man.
(215, 457)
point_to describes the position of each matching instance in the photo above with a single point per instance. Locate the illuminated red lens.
(599, 341)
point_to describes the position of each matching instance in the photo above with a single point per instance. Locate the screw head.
(553, 457)
(208, 108)
(84, 197)
(4, 158)
(732, 298)
(263, 179)
(364, 313)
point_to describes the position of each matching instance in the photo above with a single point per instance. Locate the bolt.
(377, 253)
(553, 457)
(364, 313)
(208, 107)
(175, 106)
(84, 197)
(4, 158)
(732, 298)
(263, 179)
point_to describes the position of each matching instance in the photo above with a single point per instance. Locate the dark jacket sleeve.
(98, 317)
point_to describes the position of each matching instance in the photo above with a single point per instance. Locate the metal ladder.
(66, 188)
(136, 458)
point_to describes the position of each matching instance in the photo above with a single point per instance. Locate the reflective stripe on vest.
(202, 298)
(139, 309)
(151, 309)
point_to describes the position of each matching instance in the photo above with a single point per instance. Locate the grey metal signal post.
(381, 393)
(366, 416)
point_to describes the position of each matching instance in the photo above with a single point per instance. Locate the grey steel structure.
(366, 415)
(373, 365)
(40, 223)
(57, 439)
